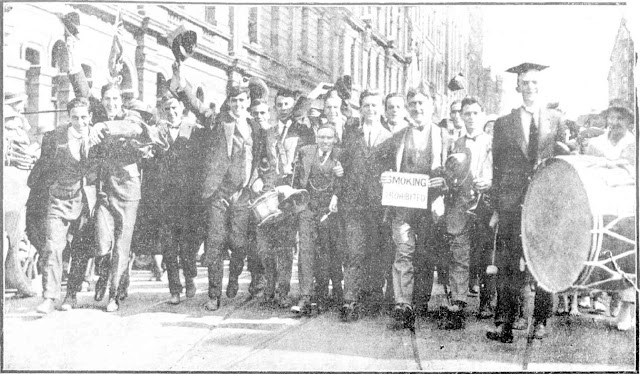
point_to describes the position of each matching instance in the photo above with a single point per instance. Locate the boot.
(190, 287)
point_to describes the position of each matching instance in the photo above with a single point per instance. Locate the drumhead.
(557, 223)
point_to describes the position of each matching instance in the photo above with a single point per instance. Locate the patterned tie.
(533, 142)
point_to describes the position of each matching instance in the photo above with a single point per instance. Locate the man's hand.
(333, 205)
(257, 186)
(20, 156)
(97, 133)
(481, 184)
(437, 182)
(437, 208)
(337, 170)
(320, 89)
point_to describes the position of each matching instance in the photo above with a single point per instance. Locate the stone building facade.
(382, 47)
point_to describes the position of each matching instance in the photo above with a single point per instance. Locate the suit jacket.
(362, 168)
(460, 199)
(119, 169)
(305, 160)
(512, 168)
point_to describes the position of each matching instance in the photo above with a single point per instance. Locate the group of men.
(353, 252)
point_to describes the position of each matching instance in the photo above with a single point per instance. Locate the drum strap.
(622, 273)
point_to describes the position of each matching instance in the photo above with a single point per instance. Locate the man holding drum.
(522, 139)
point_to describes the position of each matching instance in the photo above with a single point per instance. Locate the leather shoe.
(70, 302)
(101, 289)
(113, 305)
(46, 307)
(190, 288)
(485, 313)
(520, 324)
(212, 304)
(232, 288)
(404, 314)
(304, 306)
(348, 312)
(540, 331)
(175, 299)
(502, 334)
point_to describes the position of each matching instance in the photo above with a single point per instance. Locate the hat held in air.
(525, 67)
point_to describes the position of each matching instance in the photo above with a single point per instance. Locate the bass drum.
(579, 225)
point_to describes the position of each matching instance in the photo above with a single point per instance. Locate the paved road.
(149, 334)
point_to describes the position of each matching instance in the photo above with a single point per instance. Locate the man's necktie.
(83, 150)
(533, 142)
(369, 140)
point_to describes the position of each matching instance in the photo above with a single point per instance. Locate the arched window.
(60, 57)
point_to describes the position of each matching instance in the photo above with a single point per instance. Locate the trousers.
(64, 216)
(275, 245)
(320, 255)
(511, 278)
(414, 261)
(228, 223)
(367, 238)
(180, 240)
(114, 230)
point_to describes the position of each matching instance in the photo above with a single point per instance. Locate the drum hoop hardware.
(320, 189)
(622, 273)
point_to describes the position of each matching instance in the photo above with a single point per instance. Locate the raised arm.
(184, 92)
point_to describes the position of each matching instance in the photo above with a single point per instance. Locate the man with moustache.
(416, 149)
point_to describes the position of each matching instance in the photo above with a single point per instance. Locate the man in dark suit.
(229, 148)
(360, 202)
(180, 202)
(319, 172)
(522, 139)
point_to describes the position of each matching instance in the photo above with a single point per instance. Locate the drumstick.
(492, 269)
(325, 216)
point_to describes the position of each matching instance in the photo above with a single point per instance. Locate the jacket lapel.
(400, 151)
(517, 132)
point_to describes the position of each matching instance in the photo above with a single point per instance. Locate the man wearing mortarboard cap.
(228, 145)
(522, 139)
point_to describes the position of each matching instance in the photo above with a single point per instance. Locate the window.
(32, 56)
(304, 37)
(161, 85)
(253, 25)
(320, 44)
(210, 15)
(275, 27)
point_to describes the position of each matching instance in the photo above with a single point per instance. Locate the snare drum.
(265, 208)
(578, 225)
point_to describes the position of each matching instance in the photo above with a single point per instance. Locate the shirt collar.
(531, 109)
(77, 135)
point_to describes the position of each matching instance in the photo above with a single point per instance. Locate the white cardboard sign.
(405, 189)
